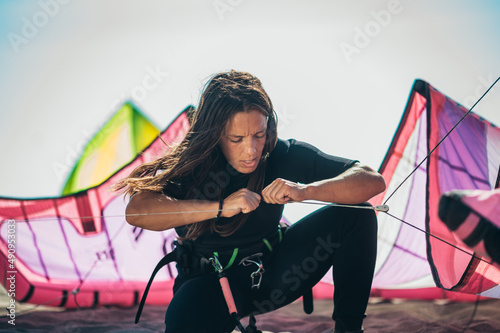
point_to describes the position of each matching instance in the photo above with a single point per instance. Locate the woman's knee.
(357, 223)
(362, 213)
(198, 322)
(198, 306)
(365, 217)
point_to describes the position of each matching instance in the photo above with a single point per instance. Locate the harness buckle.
(260, 268)
(258, 272)
(216, 263)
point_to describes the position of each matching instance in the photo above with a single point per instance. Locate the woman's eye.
(235, 141)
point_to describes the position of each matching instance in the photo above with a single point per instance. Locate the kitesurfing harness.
(194, 260)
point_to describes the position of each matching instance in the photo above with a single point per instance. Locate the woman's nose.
(251, 147)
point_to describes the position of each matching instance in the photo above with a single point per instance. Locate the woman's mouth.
(249, 163)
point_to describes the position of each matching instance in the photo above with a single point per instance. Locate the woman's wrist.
(219, 212)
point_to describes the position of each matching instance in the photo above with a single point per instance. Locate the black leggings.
(345, 238)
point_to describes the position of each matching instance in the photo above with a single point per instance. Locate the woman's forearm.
(156, 211)
(358, 184)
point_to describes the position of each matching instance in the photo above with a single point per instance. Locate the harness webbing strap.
(168, 258)
(231, 260)
(269, 246)
(233, 257)
(307, 301)
(252, 328)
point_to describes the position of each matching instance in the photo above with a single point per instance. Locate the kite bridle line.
(385, 209)
(427, 157)
(381, 208)
(444, 137)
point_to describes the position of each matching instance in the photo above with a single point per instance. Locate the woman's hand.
(242, 201)
(282, 191)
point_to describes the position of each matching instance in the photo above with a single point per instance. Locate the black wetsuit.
(344, 238)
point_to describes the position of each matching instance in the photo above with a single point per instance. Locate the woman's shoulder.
(285, 146)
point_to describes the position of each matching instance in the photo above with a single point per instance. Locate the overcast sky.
(338, 72)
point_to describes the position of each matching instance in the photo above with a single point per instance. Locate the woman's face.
(243, 140)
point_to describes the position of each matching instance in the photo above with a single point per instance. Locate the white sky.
(83, 57)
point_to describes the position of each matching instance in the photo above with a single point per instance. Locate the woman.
(225, 186)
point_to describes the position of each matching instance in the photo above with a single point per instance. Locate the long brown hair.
(225, 94)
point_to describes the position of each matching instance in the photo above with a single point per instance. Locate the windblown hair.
(224, 95)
